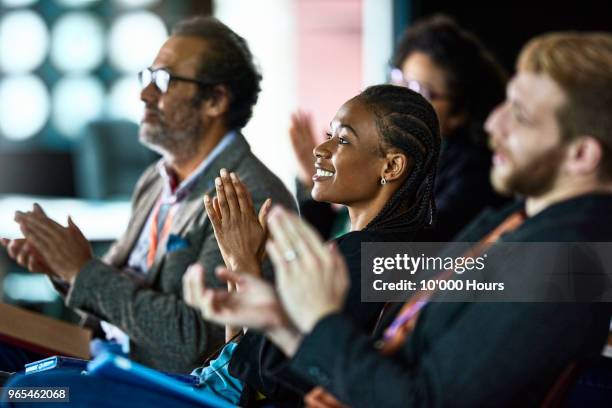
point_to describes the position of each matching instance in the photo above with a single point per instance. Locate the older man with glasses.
(198, 94)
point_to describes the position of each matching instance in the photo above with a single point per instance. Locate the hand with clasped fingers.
(240, 232)
(311, 277)
(48, 247)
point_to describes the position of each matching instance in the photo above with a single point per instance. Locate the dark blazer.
(471, 354)
(263, 367)
(164, 332)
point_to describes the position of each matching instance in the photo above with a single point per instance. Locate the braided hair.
(406, 121)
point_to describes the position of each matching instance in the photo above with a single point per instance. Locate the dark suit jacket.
(165, 333)
(471, 354)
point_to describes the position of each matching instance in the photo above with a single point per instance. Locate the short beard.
(175, 146)
(535, 179)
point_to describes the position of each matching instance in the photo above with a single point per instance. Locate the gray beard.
(177, 146)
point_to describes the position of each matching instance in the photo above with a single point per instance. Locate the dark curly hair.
(474, 79)
(227, 61)
(406, 121)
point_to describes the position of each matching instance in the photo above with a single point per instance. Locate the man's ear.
(217, 104)
(584, 155)
(396, 165)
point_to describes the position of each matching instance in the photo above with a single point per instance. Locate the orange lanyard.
(155, 237)
(395, 335)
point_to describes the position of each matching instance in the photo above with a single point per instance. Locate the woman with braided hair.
(407, 125)
(379, 160)
(451, 68)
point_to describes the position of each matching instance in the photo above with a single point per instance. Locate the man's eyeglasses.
(161, 78)
(397, 78)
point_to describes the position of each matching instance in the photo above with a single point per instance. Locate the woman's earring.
(383, 181)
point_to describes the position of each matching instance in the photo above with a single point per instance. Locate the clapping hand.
(49, 247)
(303, 142)
(253, 304)
(311, 277)
(26, 256)
(240, 232)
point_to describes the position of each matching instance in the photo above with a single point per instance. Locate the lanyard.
(155, 237)
(402, 325)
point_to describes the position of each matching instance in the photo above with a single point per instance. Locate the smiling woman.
(379, 160)
(349, 163)
(369, 156)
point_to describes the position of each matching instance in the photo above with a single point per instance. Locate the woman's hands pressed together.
(240, 232)
(311, 279)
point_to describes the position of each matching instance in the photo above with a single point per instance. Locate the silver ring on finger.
(290, 255)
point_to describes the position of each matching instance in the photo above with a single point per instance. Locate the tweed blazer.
(164, 332)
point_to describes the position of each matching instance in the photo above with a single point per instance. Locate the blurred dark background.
(505, 26)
